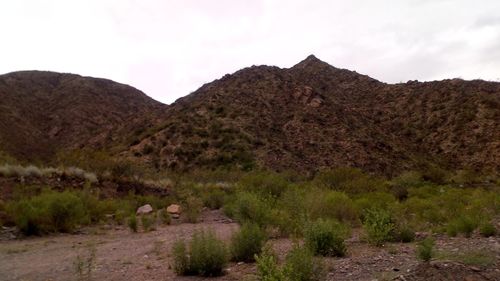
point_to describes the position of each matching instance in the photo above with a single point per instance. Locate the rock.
(146, 209)
(476, 269)
(174, 209)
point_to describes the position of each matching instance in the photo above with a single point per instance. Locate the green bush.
(487, 230)
(326, 238)
(207, 255)
(374, 200)
(193, 209)
(247, 242)
(425, 249)
(349, 180)
(463, 224)
(132, 223)
(264, 183)
(332, 205)
(164, 217)
(48, 212)
(378, 226)
(404, 234)
(267, 266)
(181, 258)
(148, 223)
(248, 207)
(300, 265)
(213, 198)
(401, 184)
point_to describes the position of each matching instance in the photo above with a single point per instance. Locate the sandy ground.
(122, 255)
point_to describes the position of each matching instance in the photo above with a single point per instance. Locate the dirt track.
(122, 255)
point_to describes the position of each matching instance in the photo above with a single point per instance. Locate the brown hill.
(42, 113)
(314, 115)
(303, 118)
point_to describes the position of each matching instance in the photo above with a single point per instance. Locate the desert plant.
(300, 265)
(487, 229)
(404, 234)
(247, 242)
(374, 200)
(213, 198)
(267, 266)
(48, 212)
(132, 223)
(401, 184)
(206, 255)
(193, 209)
(378, 226)
(248, 207)
(264, 183)
(164, 217)
(463, 224)
(349, 180)
(181, 258)
(84, 264)
(425, 249)
(147, 223)
(332, 205)
(326, 238)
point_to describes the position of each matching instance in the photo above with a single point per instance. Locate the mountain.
(303, 118)
(314, 115)
(43, 113)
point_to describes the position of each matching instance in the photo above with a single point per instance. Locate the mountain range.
(304, 118)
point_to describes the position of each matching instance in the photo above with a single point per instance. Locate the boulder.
(146, 209)
(174, 209)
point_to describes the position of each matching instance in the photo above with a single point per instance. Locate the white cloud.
(170, 48)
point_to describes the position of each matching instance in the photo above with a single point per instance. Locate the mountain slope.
(302, 118)
(314, 115)
(42, 113)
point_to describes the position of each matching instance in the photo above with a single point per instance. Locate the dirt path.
(122, 255)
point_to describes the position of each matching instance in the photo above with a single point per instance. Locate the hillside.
(313, 115)
(303, 118)
(43, 113)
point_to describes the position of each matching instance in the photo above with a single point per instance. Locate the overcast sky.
(170, 48)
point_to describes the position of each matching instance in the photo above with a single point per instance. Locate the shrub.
(326, 238)
(425, 249)
(267, 266)
(487, 230)
(463, 224)
(181, 258)
(247, 242)
(300, 265)
(132, 223)
(374, 200)
(401, 184)
(332, 205)
(378, 226)
(193, 209)
(405, 234)
(248, 207)
(213, 198)
(207, 255)
(164, 217)
(66, 210)
(349, 180)
(47, 212)
(264, 183)
(435, 174)
(147, 223)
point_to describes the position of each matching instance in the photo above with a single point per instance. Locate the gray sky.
(170, 48)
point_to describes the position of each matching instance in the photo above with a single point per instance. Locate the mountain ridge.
(304, 118)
